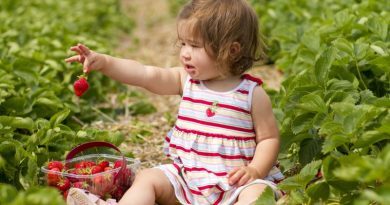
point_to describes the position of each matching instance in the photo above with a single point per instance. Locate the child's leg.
(150, 186)
(250, 194)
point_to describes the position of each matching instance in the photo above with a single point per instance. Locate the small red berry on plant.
(80, 86)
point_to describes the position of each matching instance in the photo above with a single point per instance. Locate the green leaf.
(333, 141)
(312, 41)
(328, 166)
(323, 64)
(18, 105)
(379, 194)
(360, 50)
(343, 45)
(267, 197)
(370, 137)
(59, 117)
(382, 62)
(309, 149)
(313, 103)
(301, 180)
(319, 191)
(44, 196)
(142, 108)
(7, 193)
(379, 26)
(17, 122)
(302, 123)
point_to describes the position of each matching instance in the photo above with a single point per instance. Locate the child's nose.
(186, 54)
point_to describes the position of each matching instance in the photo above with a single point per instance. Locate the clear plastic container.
(109, 183)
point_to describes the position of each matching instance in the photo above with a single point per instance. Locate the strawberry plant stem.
(359, 74)
(103, 114)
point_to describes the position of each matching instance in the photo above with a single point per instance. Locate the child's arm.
(267, 139)
(155, 79)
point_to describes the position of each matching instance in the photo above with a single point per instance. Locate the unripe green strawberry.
(80, 86)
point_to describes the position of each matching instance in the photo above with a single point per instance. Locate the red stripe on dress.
(243, 91)
(215, 124)
(194, 81)
(207, 134)
(219, 198)
(167, 139)
(219, 104)
(252, 78)
(192, 169)
(210, 186)
(185, 195)
(177, 167)
(210, 154)
(195, 192)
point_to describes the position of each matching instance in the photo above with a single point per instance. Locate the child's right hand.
(91, 60)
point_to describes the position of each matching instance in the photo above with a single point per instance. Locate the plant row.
(40, 116)
(333, 107)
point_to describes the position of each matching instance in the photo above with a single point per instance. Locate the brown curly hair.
(220, 24)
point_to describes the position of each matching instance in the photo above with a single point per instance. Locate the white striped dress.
(213, 134)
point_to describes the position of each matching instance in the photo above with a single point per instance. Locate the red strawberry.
(319, 174)
(102, 184)
(65, 194)
(80, 86)
(53, 177)
(71, 178)
(89, 163)
(117, 193)
(55, 164)
(96, 169)
(104, 164)
(81, 185)
(63, 184)
(118, 163)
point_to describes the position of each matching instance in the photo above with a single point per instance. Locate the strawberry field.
(332, 106)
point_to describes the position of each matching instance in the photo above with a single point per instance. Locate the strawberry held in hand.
(80, 86)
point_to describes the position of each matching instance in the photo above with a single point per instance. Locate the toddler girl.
(225, 142)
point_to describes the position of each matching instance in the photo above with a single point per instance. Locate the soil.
(152, 42)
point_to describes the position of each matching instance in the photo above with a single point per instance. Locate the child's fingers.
(73, 59)
(243, 180)
(236, 177)
(231, 173)
(84, 49)
(76, 49)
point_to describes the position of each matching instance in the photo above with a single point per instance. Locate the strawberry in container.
(105, 175)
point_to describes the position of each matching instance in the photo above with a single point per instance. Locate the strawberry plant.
(40, 117)
(333, 107)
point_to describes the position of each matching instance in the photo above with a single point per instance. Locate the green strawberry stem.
(85, 75)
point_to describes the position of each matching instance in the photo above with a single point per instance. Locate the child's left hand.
(242, 175)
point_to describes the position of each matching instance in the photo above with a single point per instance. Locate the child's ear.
(235, 49)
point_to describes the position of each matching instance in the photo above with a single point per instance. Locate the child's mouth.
(189, 68)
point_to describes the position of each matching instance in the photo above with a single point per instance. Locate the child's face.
(196, 61)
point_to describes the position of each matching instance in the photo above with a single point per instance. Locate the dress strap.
(252, 78)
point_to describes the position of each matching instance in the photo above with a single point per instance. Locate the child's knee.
(152, 176)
